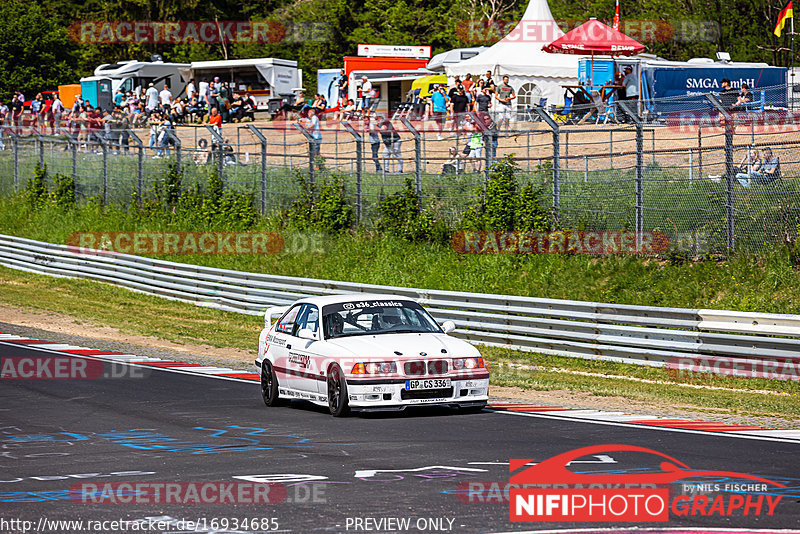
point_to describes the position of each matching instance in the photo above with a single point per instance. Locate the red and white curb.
(650, 421)
(552, 412)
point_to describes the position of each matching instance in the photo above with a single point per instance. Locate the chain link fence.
(696, 174)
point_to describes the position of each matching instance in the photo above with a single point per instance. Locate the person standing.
(202, 89)
(56, 110)
(344, 85)
(483, 101)
(165, 96)
(458, 103)
(190, 90)
(631, 84)
(151, 98)
(36, 110)
(505, 96)
(3, 119)
(316, 131)
(391, 145)
(375, 143)
(439, 108)
(366, 96)
(17, 104)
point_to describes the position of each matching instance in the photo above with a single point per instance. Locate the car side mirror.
(448, 326)
(307, 333)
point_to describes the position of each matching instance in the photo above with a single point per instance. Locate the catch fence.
(688, 175)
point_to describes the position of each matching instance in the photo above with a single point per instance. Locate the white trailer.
(138, 75)
(266, 80)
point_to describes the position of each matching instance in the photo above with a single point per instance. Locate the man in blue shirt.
(439, 108)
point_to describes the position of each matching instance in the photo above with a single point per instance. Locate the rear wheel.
(269, 384)
(337, 392)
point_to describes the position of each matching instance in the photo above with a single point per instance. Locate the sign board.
(393, 51)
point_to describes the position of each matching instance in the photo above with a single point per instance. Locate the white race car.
(367, 352)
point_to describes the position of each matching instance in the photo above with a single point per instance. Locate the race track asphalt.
(355, 474)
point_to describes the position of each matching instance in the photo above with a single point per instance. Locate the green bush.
(36, 189)
(63, 195)
(503, 206)
(321, 206)
(401, 215)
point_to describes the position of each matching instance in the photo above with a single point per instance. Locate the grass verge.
(134, 313)
(744, 283)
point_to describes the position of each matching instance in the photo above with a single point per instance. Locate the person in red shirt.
(467, 83)
(215, 120)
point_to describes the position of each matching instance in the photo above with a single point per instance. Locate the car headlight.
(374, 368)
(460, 364)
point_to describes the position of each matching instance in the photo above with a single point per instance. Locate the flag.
(786, 13)
(615, 25)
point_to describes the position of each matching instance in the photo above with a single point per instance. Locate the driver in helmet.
(336, 325)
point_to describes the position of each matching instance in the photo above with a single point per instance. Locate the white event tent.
(532, 72)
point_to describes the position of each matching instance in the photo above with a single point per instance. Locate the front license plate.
(433, 383)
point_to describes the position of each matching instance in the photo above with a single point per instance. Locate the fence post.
(174, 138)
(177, 142)
(140, 165)
(629, 109)
(417, 154)
(40, 141)
(263, 141)
(15, 146)
(215, 137)
(528, 147)
(611, 148)
(73, 144)
(359, 166)
(556, 163)
(729, 174)
(699, 151)
(104, 147)
(311, 150)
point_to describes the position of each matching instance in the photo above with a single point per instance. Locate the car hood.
(383, 346)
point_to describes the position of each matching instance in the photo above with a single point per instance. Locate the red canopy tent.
(594, 37)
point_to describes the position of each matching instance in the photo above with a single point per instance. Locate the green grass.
(744, 283)
(129, 312)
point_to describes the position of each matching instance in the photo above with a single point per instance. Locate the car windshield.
(376, 317)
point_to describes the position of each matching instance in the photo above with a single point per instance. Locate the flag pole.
(791, 65)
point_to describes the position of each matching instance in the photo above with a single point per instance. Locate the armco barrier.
(634, 334)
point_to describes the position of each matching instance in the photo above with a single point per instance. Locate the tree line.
(40, 47)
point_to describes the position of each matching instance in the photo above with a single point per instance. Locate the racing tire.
(269, 384)
(337, 392)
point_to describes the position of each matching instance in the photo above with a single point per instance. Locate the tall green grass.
(745, 283)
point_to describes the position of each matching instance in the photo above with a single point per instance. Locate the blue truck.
(671, 86)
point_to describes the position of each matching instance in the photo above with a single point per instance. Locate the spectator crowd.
(155, 108)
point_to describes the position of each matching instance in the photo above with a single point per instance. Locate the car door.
(279, 342)
(300, 364)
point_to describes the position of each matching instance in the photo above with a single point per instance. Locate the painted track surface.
(156, 425)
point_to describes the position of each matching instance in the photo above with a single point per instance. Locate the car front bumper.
(392, 395)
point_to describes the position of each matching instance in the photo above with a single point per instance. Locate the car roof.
(351, 297)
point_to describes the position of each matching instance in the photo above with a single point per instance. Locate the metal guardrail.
(617, 332)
